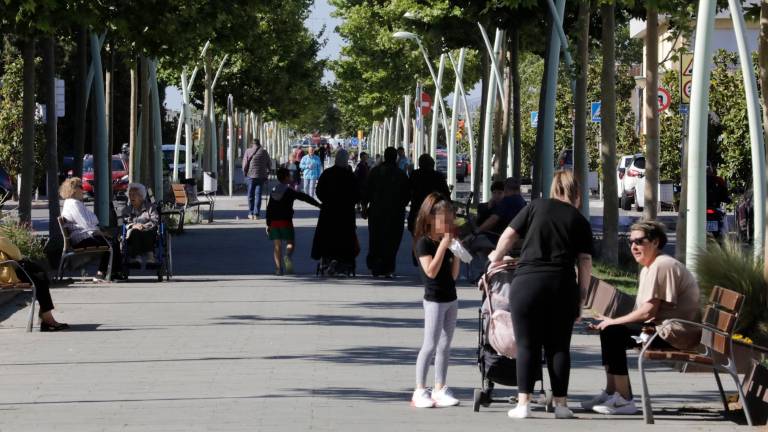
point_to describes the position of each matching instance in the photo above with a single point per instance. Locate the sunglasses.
(637, 241)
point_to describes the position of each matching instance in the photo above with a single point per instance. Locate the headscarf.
(426, 162)
(390, 155)
(342, 158)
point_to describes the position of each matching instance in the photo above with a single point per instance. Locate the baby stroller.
(338, 265)
(335, 267)
(494, 367)
(163, 264)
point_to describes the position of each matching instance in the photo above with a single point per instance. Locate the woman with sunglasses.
(666, 290)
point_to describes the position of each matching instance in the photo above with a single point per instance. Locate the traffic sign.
(596, 112)
(686, 63)
(60, 96)
(426, 103)
(686, 77)
(664, 99)
(534, 119)
(683, 108)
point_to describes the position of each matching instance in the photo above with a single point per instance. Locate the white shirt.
(82, 222)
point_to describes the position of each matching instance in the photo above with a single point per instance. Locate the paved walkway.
(228, 346)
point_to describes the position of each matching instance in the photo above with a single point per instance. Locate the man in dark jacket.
(423, 182)
(256, 167)
(386, 196)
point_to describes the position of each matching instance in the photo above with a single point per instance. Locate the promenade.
(226, 345)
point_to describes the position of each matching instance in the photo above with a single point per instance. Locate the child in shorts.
(280, 219)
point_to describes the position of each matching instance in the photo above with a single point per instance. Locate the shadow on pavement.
(336, 321)
(378, 355)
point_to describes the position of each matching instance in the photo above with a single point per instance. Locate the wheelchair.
(162, 249)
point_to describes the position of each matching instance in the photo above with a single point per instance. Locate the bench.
(604, 299)
(68, 252)
(21, 286)
(718, 324)
(185, 198)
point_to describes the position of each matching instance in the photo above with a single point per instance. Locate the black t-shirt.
(553, 233)
(441, 289)
(506, 210)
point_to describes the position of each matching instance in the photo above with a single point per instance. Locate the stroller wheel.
(476, 400)
(486, 398)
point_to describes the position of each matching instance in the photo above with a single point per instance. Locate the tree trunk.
(80, 101)
(51, 139)
(517, 155)
(580, 153)
(109, 89)
(504, 169)
(763, 61)
(536, 178)
(610, 253)
(28, 138)
(651, 113)
(207, 132)
(146, 126)
(478, 168)
(133, 121)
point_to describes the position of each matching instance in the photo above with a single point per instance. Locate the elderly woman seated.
(666, 290)
(84, 227)
(141, 221)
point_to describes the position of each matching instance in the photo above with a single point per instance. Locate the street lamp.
(441, 105)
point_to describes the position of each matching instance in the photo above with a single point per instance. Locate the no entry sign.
(426, 103)
(664, 99)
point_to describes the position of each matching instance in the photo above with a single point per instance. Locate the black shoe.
(53, 327)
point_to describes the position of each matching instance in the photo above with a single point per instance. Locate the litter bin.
(209, 182)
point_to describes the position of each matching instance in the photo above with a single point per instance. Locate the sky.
(320, 16)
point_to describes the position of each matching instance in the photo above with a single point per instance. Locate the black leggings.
(543, 309)
(615, 340)
(39, 277)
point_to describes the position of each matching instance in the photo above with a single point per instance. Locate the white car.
(630, 174)
(168, 150)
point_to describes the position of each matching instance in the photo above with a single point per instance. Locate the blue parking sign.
(595, 111)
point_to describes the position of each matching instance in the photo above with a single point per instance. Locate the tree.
(608, 132)
(651, 112)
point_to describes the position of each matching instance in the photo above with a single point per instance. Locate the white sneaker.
(444, 398)
(563, 412)
(421, 399)
(519, 412)
(597, 400)
(616, 405)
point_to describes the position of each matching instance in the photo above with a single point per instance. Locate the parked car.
(462, 164)
(119, 176)
(565, 160)
(628, 177)
(168, 150)
(462, 168)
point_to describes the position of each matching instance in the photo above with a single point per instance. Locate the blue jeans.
(254, 194)
(309, 186)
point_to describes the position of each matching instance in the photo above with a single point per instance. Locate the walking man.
(256, 167)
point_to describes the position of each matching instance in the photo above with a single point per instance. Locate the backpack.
(501, 333)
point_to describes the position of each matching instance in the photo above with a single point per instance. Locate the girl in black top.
(545, 294)
(439, 269)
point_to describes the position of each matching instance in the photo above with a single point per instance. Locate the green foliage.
(623, 280)
(730, 266)
(732, 156)
(11, 113)
(21, 235)
(671, 122)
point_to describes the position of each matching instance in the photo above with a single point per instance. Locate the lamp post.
(439, 108)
